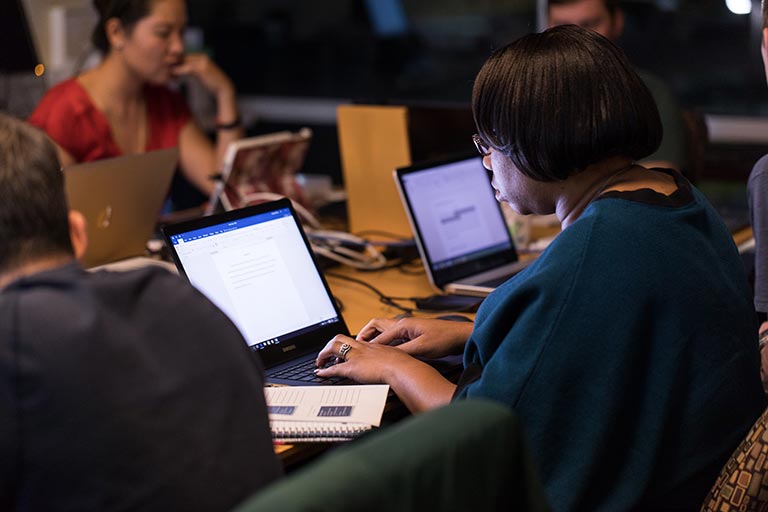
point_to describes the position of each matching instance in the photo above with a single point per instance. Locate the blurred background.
(295, 61)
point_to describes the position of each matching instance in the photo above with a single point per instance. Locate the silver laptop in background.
(458, 225)
(121, 199)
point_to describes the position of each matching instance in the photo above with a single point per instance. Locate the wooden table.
(360, 304)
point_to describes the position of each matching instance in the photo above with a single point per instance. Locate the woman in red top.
(124, 106)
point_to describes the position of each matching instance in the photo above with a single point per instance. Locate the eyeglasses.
(482, 147)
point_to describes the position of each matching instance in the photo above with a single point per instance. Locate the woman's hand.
(366, 363)
(422, 337)
(200, 160)
(417, 384)
(200, 66)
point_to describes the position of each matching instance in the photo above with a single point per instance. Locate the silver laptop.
(459, 228)
(121, 199)
(256, 265)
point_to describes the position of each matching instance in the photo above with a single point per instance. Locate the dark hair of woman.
(557, 101)
(127, 11)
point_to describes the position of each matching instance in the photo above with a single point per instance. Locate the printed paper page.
(337, 404)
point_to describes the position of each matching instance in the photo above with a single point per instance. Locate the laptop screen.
(256, 266)
(455, 215)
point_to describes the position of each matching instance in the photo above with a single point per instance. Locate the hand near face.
(422, 337)
(200, 66)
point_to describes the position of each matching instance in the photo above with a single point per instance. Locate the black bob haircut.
(558, 101)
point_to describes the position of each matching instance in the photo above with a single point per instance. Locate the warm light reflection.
(39, 70)
(739, 6)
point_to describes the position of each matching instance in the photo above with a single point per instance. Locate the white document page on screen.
(262, 276)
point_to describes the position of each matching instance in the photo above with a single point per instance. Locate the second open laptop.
(256, 265)
(121, 199)
(459, 227)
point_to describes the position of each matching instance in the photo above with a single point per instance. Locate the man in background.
(118, 391)
(757, 198)
(607, 19)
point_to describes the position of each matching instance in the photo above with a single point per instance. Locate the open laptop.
(256, 265)
(459, 228)
(121, 199)
(257, 165)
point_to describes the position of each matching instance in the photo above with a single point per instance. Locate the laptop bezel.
(301, 345)
(440, 278)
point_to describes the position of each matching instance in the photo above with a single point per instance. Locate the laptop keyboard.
(304, 372)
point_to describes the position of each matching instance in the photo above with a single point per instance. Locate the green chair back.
(469, 455)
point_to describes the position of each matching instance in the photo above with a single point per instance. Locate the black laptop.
(460, 231)
(256, 264)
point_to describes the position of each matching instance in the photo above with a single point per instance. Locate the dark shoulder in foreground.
(137, 393)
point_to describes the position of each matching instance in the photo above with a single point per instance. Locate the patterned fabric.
(743, 483)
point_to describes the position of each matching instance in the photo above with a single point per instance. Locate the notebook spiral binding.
(303, 432)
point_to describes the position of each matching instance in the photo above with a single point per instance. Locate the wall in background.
(293, 61)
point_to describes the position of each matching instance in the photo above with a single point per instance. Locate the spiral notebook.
(324, 413)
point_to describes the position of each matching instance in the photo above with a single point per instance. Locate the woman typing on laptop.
(623, 344)
(124, 105)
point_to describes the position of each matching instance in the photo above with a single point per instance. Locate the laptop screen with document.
(255, 265)
(457, 220)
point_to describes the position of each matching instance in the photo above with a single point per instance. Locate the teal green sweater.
(629, 351)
